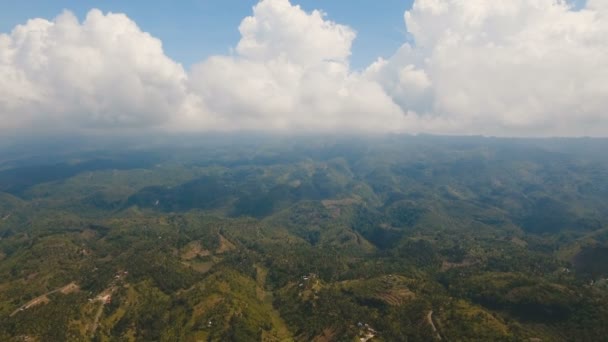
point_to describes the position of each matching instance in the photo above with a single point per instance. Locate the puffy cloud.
(104, 72)
(521, 67)
(291, 72)
(277, 28)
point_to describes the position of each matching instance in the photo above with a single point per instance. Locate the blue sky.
(194, 29)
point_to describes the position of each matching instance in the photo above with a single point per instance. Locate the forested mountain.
(392, 238)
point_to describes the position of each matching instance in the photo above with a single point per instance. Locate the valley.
(332, 239)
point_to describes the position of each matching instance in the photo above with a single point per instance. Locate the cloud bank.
(519, 68)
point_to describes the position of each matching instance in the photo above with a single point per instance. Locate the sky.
(194, 29)
(500, 68)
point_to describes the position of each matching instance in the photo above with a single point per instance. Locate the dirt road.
(97, 317)
(429, 318)
(69, 288)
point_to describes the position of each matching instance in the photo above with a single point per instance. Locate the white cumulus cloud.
(291, 72)
(518, 67)
(103, 72)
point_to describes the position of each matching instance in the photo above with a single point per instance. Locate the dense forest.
(392, 238)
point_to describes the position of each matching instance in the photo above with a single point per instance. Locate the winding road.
(429, 318)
